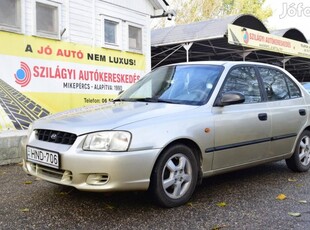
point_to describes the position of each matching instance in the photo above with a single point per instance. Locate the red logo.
(23, 75)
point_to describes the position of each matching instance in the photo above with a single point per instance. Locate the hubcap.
(177, 176)
(304, 151)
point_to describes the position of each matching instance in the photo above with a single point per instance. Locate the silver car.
(178, 124)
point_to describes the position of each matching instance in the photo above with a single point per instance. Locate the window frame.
(19, 14)
(46, 34)
(129, 24)
(118, 44)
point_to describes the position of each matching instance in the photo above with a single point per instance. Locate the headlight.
(107, 141)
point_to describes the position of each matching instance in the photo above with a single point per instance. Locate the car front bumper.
(97, 171)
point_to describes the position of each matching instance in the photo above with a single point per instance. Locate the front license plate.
(43, 157)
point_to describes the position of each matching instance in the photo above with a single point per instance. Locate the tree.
(189, 11)
(254, 7)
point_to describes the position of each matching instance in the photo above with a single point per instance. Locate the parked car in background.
(178, 124)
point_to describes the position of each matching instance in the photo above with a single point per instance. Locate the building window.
(10, 15)
(110, 32)
(47, 20)
(135, 38)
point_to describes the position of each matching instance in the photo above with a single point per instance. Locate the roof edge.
(159, 4)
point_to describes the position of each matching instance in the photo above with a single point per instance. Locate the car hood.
(106, 116)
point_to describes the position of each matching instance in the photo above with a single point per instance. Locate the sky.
(289, 14)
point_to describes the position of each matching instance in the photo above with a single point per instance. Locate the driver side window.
(243, 80)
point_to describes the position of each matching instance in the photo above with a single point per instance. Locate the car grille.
(56, 174)
(55, 136)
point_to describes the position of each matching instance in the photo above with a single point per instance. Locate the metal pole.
(187, 46)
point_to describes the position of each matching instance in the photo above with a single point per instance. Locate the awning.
(207, 40)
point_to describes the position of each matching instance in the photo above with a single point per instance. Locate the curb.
(10, 146)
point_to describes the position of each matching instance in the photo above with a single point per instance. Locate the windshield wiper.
(122, 99)
(147, 99)
(168, 101)
(134, 99)
(151, 99)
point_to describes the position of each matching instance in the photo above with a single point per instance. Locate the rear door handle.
(262, 116)
(302, 112)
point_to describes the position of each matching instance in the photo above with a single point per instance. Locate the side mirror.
(230, 98)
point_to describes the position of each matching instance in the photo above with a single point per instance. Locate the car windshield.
(183, 84)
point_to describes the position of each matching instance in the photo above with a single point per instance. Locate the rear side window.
(243, 79)
(293, 89)
(277, 85)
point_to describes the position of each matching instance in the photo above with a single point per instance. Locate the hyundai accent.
(176, 125)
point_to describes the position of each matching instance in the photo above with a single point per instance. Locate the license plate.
(43, 157)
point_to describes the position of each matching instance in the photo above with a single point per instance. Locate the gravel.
(245, 199)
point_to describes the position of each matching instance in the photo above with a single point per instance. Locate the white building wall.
(141, 6)
(82, 20)
(27, 23)
(128, 17)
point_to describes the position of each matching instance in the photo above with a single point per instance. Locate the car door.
(242, 131)
(287, 109)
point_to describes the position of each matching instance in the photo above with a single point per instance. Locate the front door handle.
(262, 116)
(302, 112)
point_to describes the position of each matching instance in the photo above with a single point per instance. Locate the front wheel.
(300, 160)
(174, 176)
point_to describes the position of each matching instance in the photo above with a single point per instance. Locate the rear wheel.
(300, 160)
(174, 177)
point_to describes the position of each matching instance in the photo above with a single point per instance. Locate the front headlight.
(107, 141)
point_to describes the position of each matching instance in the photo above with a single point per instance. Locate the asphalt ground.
(246, 199)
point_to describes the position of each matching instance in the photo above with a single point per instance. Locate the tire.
(174, 176)
(300, 160)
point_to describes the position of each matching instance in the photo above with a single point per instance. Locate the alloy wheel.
(177, 176)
